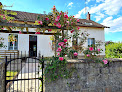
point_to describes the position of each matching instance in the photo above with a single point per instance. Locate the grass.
(12, 74)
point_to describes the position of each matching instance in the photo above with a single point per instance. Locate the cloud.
(70, 4)
(110, 7)
(87, 1)
(81, 12)
(100, 1)
(99, 16)
(114, 24)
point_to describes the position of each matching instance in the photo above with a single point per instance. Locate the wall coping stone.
(92, 61)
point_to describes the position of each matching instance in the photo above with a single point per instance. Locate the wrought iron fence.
(24, 74)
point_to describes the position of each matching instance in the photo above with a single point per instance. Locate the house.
(41, 43)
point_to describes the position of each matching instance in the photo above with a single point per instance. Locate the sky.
(106, 12)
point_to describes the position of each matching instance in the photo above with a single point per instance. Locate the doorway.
(32, 46)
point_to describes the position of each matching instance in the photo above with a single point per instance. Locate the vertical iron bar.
(17, 72)
(28, 72)
(5, 72)
(38, 75)
(35, 75)
(10, 72)
(32, 74)
(21, 70)
(14, 71)
(42, 71)
(24, 71)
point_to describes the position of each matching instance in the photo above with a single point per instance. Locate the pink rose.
(61, 43)
(78, 28)
(77, 20)
(75, 54)
(40, 22)
(105, 61)
(49, 29)
(59, 49)
(47, 18)
(56, 20)
(66, 16)
(88, 55)
(58, 17)
(20, 32)
(91, 48)
(67, 22)
(54, 23)
(65, 40)
(72, 31)
(61, 58)
(58, 25)
(58, 54)
(98, 49)
(37, 33)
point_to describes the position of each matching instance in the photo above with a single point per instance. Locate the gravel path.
(29, 70)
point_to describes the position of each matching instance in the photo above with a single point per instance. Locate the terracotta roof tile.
(31, 17)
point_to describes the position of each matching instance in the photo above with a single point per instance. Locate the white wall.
(97, 33)
(43, 41)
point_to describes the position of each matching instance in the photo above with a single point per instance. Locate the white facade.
(43, 41)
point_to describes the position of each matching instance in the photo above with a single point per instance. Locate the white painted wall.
(97, 33)
(43, 41)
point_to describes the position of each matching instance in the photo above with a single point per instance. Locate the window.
(91, 41)
(13, 45)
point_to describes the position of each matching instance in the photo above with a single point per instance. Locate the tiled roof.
(32, 17)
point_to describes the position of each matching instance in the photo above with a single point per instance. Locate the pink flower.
(65, 40)
(60, 13)
(63, 46)
(49, 29)
(58, 17)
(105, 61)
(37, 33)
(40, 22)
(54, 23)
(72, 31)
(59, 49)
(88, 55)
(67, 22)
(61, 43)
(98, 49)
(20, 32)
(91, 48)
(61, 58)
(58, 54)
(2, 28)
(66, 16)
(75, 54)
(58, 25)
(78, 28)
(56, 20)
(47, 18)
(77, 20)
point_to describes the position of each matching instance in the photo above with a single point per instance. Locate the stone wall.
(2, 76)
(90, 77)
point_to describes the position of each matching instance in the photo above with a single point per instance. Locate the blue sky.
(106, 12)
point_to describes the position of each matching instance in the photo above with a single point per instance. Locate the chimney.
(88, 16)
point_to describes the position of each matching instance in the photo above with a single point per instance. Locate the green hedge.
(114, 50)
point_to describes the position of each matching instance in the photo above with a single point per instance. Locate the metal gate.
(24, 74)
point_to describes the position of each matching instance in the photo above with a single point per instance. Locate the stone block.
(108, 89)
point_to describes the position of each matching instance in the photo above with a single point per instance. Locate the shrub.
(114, 50)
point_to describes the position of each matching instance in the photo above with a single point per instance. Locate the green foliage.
(114, 50)
(56, 69)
